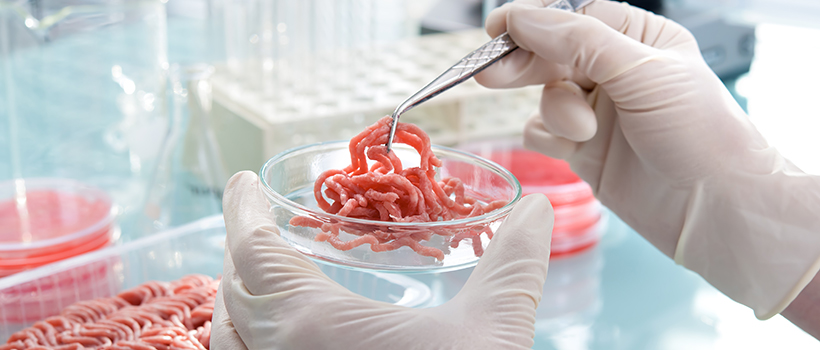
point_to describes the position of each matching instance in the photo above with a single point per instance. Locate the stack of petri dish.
(578, 214)
(45, 220)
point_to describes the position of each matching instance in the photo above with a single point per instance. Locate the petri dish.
(288, 180)
(44, 220)
(578, 214)
(582, 236)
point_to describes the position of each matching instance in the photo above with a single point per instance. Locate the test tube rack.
(334, 95)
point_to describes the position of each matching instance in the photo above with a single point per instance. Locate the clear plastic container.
(289, 178)
(49, 219)
(197, 247)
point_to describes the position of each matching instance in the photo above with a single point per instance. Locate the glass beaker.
(83, 95)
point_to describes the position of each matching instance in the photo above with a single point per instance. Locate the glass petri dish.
(44, 220)
(288, 180)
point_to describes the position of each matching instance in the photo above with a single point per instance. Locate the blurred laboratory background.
(121, 121)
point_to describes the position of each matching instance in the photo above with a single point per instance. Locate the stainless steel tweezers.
(469, 66)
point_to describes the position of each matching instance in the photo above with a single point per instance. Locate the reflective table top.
(625, 294)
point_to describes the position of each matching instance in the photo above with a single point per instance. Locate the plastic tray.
(197, 247)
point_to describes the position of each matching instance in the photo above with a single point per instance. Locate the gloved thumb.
(263, 260)
(507, 282)
(266, 283)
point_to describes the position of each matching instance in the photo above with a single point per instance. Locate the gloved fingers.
(537, 138)
(508, 280)
(566, 113)
(641, 25)
(234, 292)
(496, 21)
(636, 23)
(522, 68)
(264, 261)
(598, 51)
(223, 334)
(523, 239)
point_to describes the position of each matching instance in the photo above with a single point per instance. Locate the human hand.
(273, 297)
(629, 102)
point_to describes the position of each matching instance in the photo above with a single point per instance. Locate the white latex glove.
(273, 297)
(631, 105)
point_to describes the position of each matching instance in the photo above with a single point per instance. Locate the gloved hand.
(273, 297)
(629, 102)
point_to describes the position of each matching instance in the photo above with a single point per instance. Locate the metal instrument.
(469, 66)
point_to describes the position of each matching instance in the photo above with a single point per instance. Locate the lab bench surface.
(625, 294)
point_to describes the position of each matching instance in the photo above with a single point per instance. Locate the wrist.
(804, 311)
(755, 237)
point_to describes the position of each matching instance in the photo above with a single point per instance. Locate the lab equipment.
(250, 127)
(579, 217)
(790, 12)
(82, 96)
(263, 274)
(49, 219)
(289, 179)
(465, 69)
(378, 186)
(194, 248)
(736, 204)
(282, 48)
(469, 66)
(189, 179)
